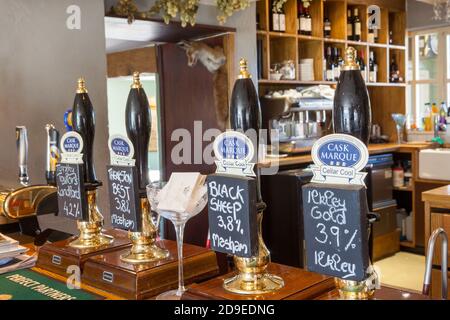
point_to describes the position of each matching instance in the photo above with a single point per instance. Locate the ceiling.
(121, 36)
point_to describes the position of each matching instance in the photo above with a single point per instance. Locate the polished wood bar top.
(385, 293)
(373, 149)
(299, 285)
(441, 194)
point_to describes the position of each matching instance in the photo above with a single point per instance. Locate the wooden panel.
(386, 245)
(385, 101)
(290, 10)
(383, 32)
(124, 63)
(419, 210)
(265, 55)
(283, 48)
(316, 11)
(397, 24)
(338, 17)
(312, 49)
(262, 10)
(439, 220)
(436, 284)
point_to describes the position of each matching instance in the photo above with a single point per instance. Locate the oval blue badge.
(72, 144)
(233, 148)
(120, 147)
(339, 153)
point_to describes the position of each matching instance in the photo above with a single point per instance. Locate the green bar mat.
(30, 285)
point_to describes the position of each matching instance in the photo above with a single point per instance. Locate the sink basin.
(434, 164)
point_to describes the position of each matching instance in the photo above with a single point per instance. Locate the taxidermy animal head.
(214, 60)
(211, 58)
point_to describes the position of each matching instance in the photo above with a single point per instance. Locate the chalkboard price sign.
(335, 220)
(232, 214)
(124, 198)
(71, 192)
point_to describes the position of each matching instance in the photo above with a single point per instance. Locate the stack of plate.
(306, 70)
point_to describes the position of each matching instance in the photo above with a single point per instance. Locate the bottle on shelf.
(362, 65)
(398, 176)
(391, 40)
(274, 19)
(442, 113)
(373, 67)
(330, 65)
(300, 17)
(376, 37)
(326, 26)
(337, 64)
(394, 71)
(356, 25)
(371, 35)
(427, 123)
(349, 25)
(308, 23)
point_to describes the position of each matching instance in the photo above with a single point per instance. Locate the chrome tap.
(429, 262)
(22, 148)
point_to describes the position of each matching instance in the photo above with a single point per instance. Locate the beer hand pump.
(83, 118)
(138, 126)
(245, 113)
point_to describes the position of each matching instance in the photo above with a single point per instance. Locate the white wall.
(40, 62)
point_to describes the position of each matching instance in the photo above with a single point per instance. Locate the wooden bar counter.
(437, 215)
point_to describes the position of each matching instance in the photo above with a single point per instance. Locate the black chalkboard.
(232, 214)
(335, 224)
(124, 198)
(72, 202)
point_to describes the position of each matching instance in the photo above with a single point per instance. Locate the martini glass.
(179, 221)
(400, 121)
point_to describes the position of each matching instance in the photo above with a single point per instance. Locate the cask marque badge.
(234, 151)
(338, 158)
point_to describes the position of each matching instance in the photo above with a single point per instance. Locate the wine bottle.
(308, 22)
(349, 25)
(352, 113)
(83, 119)
(337, 67)
(274, 19)
(330, 65)
(356, 26)
(394, 71)
(139, 126)
(362, 66)
(373, 68)
(326, 26)
(371, 36)
(300, 21)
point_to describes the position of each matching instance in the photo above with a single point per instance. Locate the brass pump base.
(253, 277)
(258, 284)
(353, 290)
(144, 249)
(91, 235)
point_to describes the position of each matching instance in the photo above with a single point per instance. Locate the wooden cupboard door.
(439, 220)
(436, 284)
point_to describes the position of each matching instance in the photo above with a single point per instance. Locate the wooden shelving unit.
(289, 45)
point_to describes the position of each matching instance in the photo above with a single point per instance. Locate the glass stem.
(179, 230)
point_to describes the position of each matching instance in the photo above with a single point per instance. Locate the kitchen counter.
(373, 149)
